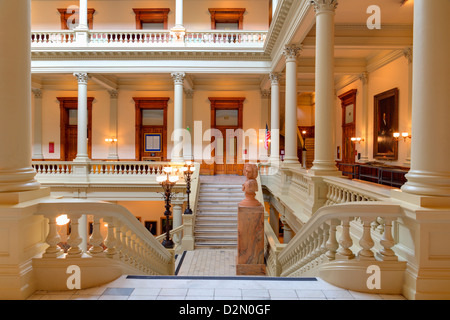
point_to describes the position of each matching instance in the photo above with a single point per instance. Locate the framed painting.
(151, 226)
(385, 124)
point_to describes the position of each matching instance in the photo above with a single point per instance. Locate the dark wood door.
(151, 149)
(348, 146)
(348, 104)
(71, 142)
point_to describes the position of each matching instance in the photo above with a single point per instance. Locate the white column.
(16, 173)
(275, 118)
(179, 14)
(83, 15)
(37, 128)
(364, 77)
(290, 52)
(177, 218)
(324, 142)
(113, 118)
(177, 136)
(429, 173)
(408, 53)
(82, 143)
(189, 123)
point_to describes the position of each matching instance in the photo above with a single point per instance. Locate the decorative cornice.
(275, 78)
(178, 77)
(323, 6)
(291, 52)
(82, 77)
(364, 77)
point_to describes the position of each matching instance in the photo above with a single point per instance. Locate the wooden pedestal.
(250, 257)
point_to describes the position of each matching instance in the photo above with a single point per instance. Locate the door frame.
(65, 104)
(221, 103)
(149, 103)
(348, 98)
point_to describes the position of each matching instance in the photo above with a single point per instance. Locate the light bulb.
(62, 220)
(173, 178)
(161, 178)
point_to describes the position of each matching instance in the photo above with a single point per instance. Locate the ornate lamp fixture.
(188, 170)
(404, 135)
(167, 181)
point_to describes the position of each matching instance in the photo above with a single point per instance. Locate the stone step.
(209, 246)
(209, 208)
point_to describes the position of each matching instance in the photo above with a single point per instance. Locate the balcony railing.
(148, 39)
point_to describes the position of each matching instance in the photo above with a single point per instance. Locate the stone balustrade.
(146, 38)
(126, 240)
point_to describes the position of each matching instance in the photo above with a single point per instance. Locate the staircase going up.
(216, 217)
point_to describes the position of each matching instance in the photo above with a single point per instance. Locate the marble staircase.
(216, 218)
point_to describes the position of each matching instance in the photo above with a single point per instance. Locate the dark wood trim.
(347, 99)
(66, 103)
(227, 15)
(66, 15)
(149, 103)
(151, 15)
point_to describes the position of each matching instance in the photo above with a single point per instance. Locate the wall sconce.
(404, 135)
(357, 139)
(111, 140)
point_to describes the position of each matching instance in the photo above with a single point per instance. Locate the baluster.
(124, 244)
(118, 237)
(325, 237)
(387, 242)
(110, 241)
(366, 241)
(96, 238)
(53, 238)
(345, 241)
(74, 239)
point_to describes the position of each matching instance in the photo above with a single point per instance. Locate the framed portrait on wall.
(385, 147)
(151, 226)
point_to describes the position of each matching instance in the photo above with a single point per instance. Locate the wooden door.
(147, 145)
(226, 147)
(71, 142)
(69, 130)
(348, 104)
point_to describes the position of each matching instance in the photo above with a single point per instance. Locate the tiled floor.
(215, 282)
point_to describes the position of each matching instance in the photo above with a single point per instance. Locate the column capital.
(37, 93)
(265, 94)
(323, 6)
(114, 94)
(275, 78)
(364, 77)
(189, 93)
(82, 77)
(291, 51)
(178, 77)
(408, 54)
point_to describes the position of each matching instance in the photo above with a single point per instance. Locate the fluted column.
(16, 173)
(429, 173)
(37, 128)
(275, 118)
(113, 119)
(82, 143)
(324, 142)
(290, 53)
(177, 137)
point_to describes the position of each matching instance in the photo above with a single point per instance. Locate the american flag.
(267, 138)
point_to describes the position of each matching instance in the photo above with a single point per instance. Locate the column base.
(18, 180)
(424, 183)
(421, 200)
(324, 168)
